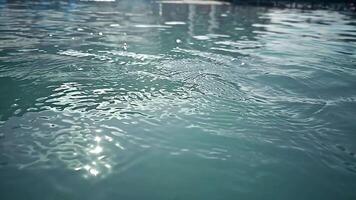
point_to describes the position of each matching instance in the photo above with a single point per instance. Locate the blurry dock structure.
(301, 4)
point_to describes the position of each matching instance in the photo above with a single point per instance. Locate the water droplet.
(14, 105)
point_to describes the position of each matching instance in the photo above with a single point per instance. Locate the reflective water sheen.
(157, 100)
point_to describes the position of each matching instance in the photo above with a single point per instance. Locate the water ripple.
(103, 90)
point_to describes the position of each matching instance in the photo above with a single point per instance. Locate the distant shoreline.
(301, 4)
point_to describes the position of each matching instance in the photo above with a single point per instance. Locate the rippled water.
(153, 100)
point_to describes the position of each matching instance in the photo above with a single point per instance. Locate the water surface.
(154, 100)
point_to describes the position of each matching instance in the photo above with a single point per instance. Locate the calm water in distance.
(151, 100)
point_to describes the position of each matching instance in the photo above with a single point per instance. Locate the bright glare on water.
(158, 100)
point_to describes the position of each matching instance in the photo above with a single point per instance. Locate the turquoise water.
(151, 100)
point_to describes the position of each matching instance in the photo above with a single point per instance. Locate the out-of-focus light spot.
(119, 145)
(97, 139)
(96, 150)
(108, 138)
(101, 157)
(93, 171)
(86, 167)
(114, 25)
(77, 168)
